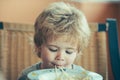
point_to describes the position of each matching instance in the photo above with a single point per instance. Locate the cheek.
(71, 58)
(46, 55)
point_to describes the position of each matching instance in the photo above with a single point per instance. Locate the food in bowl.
(63, 74)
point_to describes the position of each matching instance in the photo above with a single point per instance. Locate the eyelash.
(53, 50)
(56, 51)
(68, 52)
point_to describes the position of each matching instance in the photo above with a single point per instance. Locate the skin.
(59, 53)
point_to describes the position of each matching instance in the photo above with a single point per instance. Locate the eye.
(69, 52)
(53, 49)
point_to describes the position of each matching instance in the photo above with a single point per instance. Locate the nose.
(60, 56)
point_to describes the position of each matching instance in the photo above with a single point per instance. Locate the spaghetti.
(65, 76)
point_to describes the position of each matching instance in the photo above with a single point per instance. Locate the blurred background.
(18, 16)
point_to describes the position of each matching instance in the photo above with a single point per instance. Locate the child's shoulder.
(94, 76)
(31, 68)
(24, 73)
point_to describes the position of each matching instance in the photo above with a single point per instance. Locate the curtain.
(16, 50)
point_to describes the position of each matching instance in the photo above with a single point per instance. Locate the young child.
(61, 33)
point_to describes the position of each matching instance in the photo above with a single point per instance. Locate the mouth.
(57, 65)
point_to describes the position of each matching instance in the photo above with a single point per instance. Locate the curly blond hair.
(59, 19)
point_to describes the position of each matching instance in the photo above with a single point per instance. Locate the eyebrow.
(52, 45)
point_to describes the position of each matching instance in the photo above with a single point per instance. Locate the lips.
(56, 64)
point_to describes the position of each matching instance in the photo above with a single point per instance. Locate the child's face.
(58, 52)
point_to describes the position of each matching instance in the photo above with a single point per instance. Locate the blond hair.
(61, 18)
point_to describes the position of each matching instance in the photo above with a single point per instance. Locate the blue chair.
(111, 28)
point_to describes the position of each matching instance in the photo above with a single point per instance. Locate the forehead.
(63, 40)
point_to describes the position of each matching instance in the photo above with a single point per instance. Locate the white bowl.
(50, 74)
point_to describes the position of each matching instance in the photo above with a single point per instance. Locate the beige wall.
(21, 11)
(98, 12)
(25, 11)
